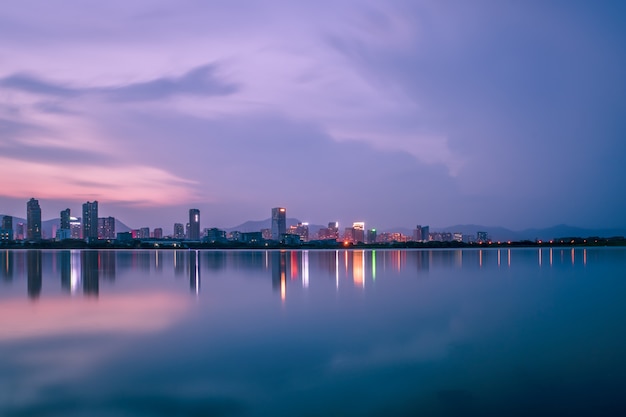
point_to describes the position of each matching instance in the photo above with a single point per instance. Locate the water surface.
(350, 332)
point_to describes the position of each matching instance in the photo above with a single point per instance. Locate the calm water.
(313, 333)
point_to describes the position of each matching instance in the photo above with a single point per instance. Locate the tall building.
(6, 232)
(179, 231)
(358, 233)
(425, 233)
(144, 233)
(301, 229)
(64, 231)
(65, 219)
(106, 228)
(371, 236)
(33, 220)
(90, 221)
(194, 224)
(279, 222)
(76, 229)
(19, 231)
(158, 233)
(417, 233)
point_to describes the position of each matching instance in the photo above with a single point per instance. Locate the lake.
(519, 332)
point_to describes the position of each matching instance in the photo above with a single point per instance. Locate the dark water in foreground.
(313, 333)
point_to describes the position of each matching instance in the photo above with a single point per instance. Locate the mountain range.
(495, 233)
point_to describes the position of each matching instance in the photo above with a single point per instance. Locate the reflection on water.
(484, 332)
(82, 271)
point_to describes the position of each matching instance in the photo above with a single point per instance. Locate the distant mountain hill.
(48, 225)
(257, 225)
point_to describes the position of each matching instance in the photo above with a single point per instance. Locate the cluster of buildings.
(90, 227)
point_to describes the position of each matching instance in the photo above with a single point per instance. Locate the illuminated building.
(65, 219)
(144, 233)
(330, 232)
(194, 225)
(106, 228)
(348, 235)
(179, 231)
(64, 231)
(214, 235)
(371, 236)
(481, 237)
(33, 220)
(266, 233)
(358, 232)
(19, 231)
(417, 234)
(421, 233)
(301, 229)
(158, 233)
(90, 221)
(76, 230)
(6, 232)
(458, 237)
(279, 222)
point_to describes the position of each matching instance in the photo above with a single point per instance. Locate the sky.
(395, 113)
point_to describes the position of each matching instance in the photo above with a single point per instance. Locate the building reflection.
(279, 272)
(6, 265)
(83, 271)
(194, 271)
(90, 272)
(358, 268)
(33, 264)
(179, 262)
(64, 259)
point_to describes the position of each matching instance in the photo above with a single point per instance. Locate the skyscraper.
(6, 231)
(279, 222)
(90, 221)
(106, 228)
(33, 219)
(179, 231)
(64, 231)
(65, 219)
(194, 224)
(359, 232)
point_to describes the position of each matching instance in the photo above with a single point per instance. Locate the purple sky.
(395, 113)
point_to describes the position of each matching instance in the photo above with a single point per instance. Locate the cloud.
(199, 81)
(136, 185)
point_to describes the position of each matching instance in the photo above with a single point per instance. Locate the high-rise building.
(65, 219)
(90, 221)
(144, 233)
(371, 236)
(64, 231)
(301, 229)
(19, 231)
(425, 233)
(279, 222)
(179, 231)
(330, 232)
(76, 229)
(194, 224)
(158, 233)
(482, 237)
(6, 232)
(33, 220)
(417, 233)
(106, 228)
(358, 233)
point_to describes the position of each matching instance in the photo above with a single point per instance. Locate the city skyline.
(390, 112)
